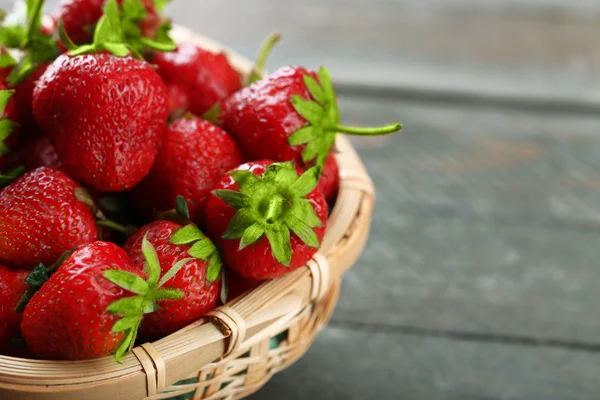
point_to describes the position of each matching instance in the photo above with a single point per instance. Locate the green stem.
(35, 19)
(115, 226)
(382, 130)
(261, 59)
(274, 209)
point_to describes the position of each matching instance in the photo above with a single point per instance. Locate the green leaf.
(64, 36)
(5, 96)
(6, 60)
(13, 37)
(125, 323)
(173, 271)
(302, 230)
(129, 306)
(306, 183)
(251, 235)
(311, 150)
(286, 175)
(306, 212)
(160, 5)
(152, 263)
(243, 178)
(233, 198)
(127, 343)
(310, 110)
(111, 203)
(279, 239)
(22, 70)
(238, 224)
(214, 268)
(182, 208)
(127, 280)
(212, 115)
(34, 15)
(202, 249)
(150, 307)
(188, 234)
(329, 94)
(303, 135)
(133, 10)
(38, 276)
(315, 89)
(7, 178)
(6, 129)
(109, 27)
(118, 49)
(168, 294)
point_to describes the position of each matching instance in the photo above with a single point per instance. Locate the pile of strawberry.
(106, 124)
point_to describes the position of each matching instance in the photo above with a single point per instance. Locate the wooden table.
(482, 276)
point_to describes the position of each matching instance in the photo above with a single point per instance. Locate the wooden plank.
(365, 365)
(486, 221)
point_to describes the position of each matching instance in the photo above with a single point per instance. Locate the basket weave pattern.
(239, 335)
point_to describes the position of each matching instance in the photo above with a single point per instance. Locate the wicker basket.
(234, 351)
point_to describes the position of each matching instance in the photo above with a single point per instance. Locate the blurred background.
(482, 276)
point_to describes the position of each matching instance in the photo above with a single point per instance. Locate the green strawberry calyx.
(28, 37)
(6, 178)
(202, 247)
(118, 32)
(148, 292)
(6, 125)
(323, 117)
(273, 205)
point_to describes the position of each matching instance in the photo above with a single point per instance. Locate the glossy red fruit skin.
(205, 77)
(12, 287)
(80, 17)
(330, 179)
(10, 113)
(40, 219)
(256, 261)
(105, 115)
(67, 318)
(261, 116)
(177, 101)
(192, 158)
(191, 279)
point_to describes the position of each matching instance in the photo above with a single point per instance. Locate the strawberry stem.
(261, 59)
(126, 230)
(381, 130)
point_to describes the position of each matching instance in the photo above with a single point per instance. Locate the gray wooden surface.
(482, 277)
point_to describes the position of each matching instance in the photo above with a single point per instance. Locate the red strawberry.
(288, 116)
(197, 267)
(12, 287)
(36, 150)
(24, 97)
(79, 17)
(204, 77)
(105, 114)
(330, 179)
(93, 304)
(9, 127)
(267, 220)
(41, 218)
(192, 158)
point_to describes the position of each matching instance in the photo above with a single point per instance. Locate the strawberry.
(238, 285)
(41, 217)
(330, 179)
(12, 287)
(79, 17)
(104, 112)
(266, 219)
(291, 115)
(195, 268)
(36, 150)
(203, 76)
(192, 158)
(9, 127)
(92, 306)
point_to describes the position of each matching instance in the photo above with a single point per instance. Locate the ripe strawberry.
(330, 179)
(79, 17)
(9, 127)
(288, 116)
(237, 284)
(41, 217)
(193, 157)
(204, 77)
(195, 268)
(12, 287)
(267, 220)
(105, 114)
(35, 150)
(24, 98)
(93, 304)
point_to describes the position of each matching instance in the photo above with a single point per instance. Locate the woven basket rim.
(204, 341)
